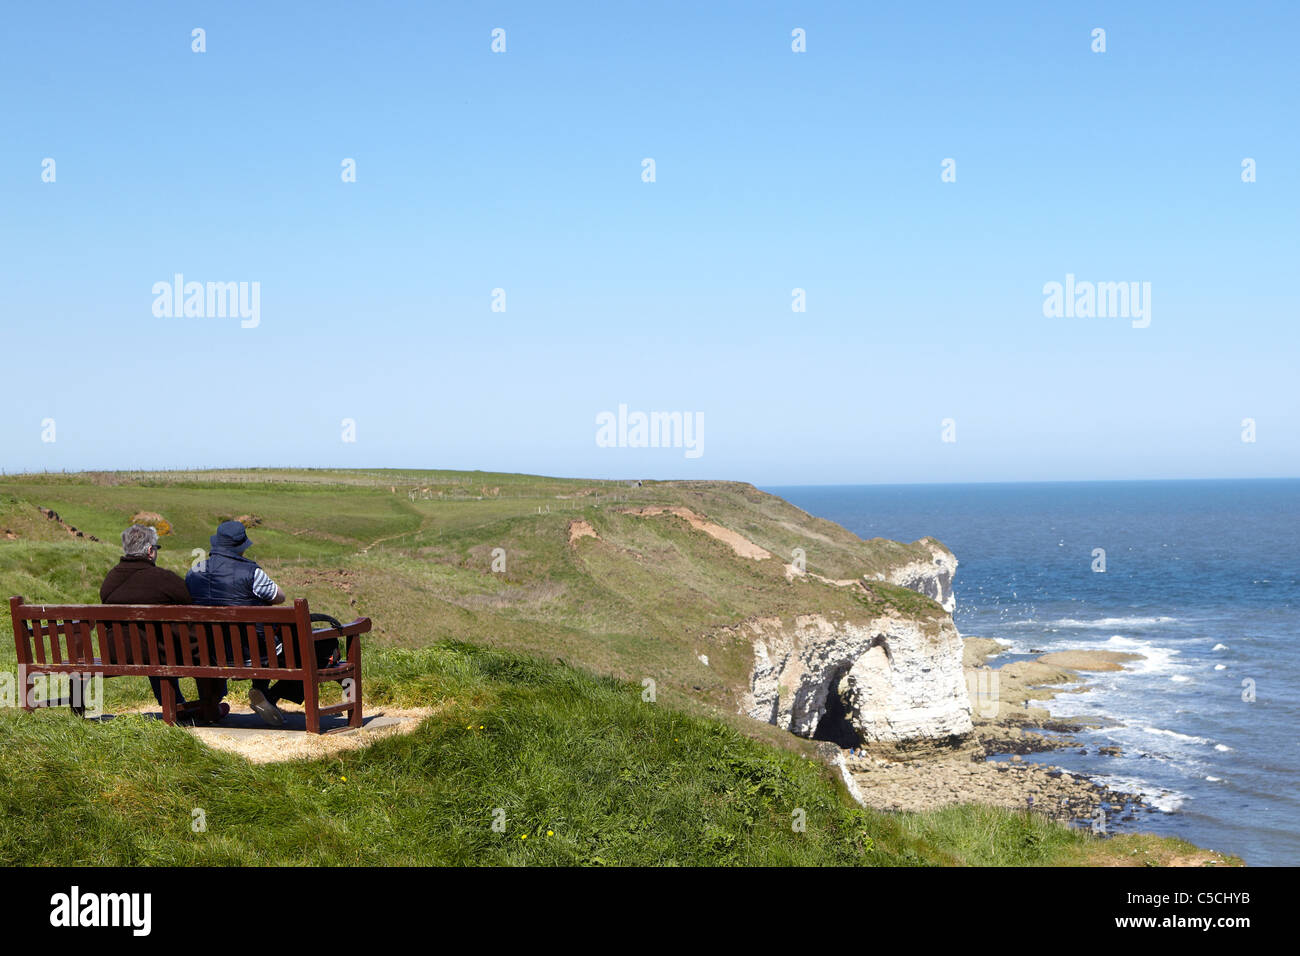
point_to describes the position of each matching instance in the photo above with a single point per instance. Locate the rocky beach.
(988, 766)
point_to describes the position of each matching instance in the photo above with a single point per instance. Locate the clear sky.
(774, 170)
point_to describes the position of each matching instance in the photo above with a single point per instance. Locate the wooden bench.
(146, 640)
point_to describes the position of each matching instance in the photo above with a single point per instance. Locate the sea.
(1201, 578)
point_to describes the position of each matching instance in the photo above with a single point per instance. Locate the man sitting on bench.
(137, 580)
(228, 579)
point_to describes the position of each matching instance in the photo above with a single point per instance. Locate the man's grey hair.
(138, 539)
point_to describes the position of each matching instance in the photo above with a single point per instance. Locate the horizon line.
(756, 484)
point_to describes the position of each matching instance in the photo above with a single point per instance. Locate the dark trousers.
(291, 690)
(156, 684)
(210, 692)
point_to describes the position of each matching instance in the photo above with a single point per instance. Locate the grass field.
(534, 674)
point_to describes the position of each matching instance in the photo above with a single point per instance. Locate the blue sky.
(774, 170)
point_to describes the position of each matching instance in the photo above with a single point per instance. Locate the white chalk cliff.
(932, 577)
(895, 680)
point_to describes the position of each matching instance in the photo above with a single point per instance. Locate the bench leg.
(28, 682)
(77, 695)
(168, 701)
(354, 658)
(310, 702)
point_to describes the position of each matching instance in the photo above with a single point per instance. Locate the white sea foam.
(1115, 622)
(1222, 748)
(1166, 801)
(1155, 659)
(1176, 735)
(1099, 623)
(1131, 696)
(1214, 779)
(1219, 647)
(1220, 667)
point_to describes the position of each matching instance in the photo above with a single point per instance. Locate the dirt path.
(424, 522)
(243, 733)
(737, 542)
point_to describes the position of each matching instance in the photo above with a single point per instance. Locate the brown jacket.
(139, 581)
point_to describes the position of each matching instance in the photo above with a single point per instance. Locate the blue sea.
(1202, 578)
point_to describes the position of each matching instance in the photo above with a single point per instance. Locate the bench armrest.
(360, 626)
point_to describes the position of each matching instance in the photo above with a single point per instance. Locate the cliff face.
(888, 683)
(932, 577)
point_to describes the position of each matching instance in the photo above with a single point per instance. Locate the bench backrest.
(172, 640)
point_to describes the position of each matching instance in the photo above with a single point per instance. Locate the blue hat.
(231, 536)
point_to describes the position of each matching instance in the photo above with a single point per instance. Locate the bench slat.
(155, 612)
(162, 670)
(252, 647)
(162, 635)
(287, 639)
(56, 655)
(119, 642)
(85, 642)
(334, 708)
(198, 633)
(38, 641)
(72, 640)
(178, 644)
(219, 637)
(138, 651)
(67, 629)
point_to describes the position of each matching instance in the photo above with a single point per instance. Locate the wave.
(1155, 659)
(1166, 801)
(1152, 658)
(1188, 738)
(1100, 623)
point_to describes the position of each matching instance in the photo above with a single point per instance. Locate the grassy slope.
(615, 779)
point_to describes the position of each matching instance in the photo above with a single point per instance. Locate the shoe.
(269, 713)
(201, 717)
(187, 711)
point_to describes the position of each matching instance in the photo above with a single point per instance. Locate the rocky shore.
(988, 767)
